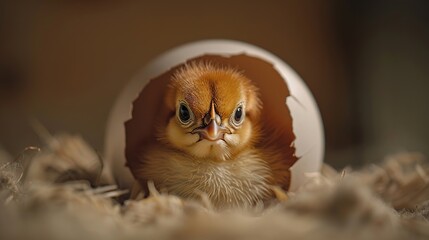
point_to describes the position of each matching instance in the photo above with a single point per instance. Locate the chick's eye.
(184, 114)
(238, 116)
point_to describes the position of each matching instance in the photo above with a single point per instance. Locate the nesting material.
(57, 194)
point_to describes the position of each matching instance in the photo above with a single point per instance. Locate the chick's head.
(214, 112)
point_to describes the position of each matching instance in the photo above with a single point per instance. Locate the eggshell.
(279, 85)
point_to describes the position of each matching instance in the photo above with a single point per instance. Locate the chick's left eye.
(238, 116)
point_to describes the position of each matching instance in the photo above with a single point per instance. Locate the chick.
(211, 142)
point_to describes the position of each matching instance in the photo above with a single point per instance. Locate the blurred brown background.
(367, 63)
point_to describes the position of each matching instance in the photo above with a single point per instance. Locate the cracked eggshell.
(287, 103)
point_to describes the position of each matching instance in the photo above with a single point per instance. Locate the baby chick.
(210, 144)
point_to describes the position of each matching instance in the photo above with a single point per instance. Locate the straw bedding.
(55, 193)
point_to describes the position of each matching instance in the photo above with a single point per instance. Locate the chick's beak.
(211, 130)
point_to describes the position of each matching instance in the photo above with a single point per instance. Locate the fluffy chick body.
(239, 182)
(216, 151)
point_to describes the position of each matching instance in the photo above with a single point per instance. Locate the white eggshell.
(306, 120)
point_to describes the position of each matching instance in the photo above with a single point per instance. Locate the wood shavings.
(279, 194)
(402, 180)
(69, 159)
(11, 173)
(390, 201)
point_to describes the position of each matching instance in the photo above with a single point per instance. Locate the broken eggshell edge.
(306, 120)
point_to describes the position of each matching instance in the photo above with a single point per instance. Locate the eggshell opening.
(287, 104)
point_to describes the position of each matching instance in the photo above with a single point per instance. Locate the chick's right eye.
(184, 114)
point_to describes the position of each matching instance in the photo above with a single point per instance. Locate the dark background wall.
(64, 62)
